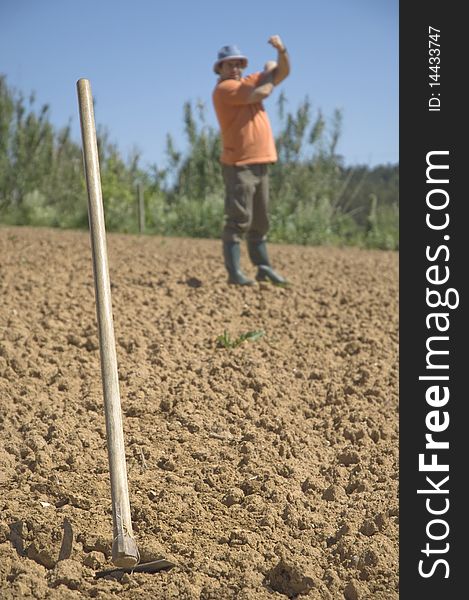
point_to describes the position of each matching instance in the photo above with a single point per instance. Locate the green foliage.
(315, 198)
(226, 341)
(118, 184)
(40, 170)
(197, 175)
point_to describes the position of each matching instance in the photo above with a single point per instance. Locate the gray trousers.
(246, 202)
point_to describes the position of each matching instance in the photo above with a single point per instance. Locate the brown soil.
(264, 471)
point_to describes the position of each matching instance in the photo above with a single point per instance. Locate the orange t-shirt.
(245, 128)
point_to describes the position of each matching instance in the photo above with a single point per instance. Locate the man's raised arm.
(282, 69)
(274, 72)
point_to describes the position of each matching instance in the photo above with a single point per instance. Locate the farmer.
(248, 148)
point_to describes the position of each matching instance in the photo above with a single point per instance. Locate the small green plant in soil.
(226, 341)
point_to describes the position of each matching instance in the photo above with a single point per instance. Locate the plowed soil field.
(266, 470)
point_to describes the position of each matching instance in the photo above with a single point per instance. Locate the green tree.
(315, 198)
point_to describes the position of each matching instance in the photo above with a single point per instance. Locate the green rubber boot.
(232, 255)
(259, 257)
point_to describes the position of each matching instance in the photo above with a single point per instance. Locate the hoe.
(125, 554)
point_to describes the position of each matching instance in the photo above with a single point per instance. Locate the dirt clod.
(289, 579)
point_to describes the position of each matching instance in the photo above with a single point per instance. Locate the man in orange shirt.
(248, 148)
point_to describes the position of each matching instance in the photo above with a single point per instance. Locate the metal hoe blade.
(150, 567)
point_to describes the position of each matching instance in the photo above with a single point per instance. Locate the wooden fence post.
(140, 208)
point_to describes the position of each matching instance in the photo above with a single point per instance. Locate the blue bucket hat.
(229, 53)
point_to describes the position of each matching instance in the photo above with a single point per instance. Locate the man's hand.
(268, 72)
(277, 43)
(282, 69)
(270, 65)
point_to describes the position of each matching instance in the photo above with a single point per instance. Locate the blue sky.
(145, 58)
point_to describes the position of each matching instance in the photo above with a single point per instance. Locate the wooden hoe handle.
(124, 548)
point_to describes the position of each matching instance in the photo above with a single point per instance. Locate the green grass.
(226, 341)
